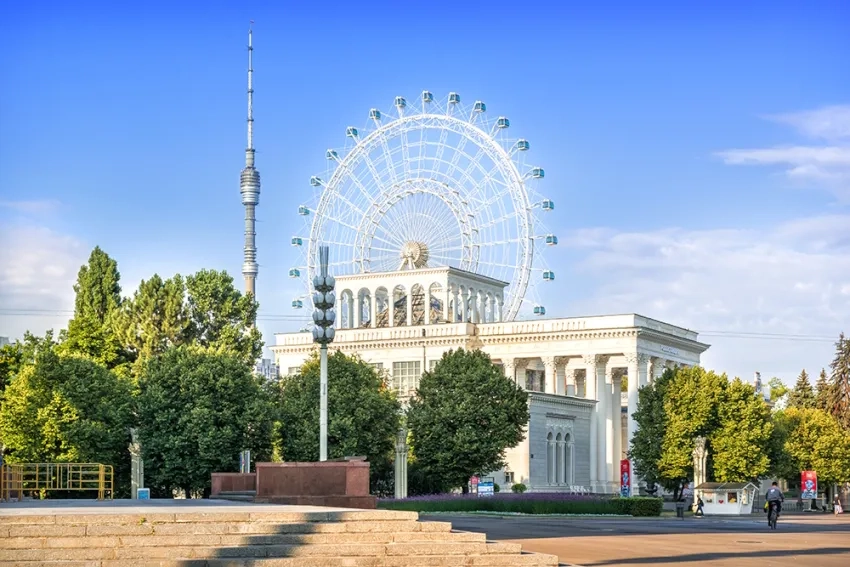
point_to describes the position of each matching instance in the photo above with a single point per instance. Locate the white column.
(617, 422)
(464, 296)
(446, 299)
(373, 309)
(358, 310)
(391, 308)
(571, 381)
(550, 370)
(427, 319)
(560, 375)
(509, 366)
(591, 361)
(606, 427)
(658, 366)
(409, 307)
(501, 310)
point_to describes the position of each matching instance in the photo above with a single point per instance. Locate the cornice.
(558, 336)
(672, 340)
(561, 401)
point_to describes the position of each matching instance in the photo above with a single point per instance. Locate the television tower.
(249, 184)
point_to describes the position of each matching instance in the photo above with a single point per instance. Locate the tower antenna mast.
(250, 183)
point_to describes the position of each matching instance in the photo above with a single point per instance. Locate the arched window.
(550, 459)
(559, 459)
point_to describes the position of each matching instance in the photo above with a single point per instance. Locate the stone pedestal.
(343, 484)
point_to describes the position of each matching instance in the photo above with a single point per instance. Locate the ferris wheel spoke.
(354, 179)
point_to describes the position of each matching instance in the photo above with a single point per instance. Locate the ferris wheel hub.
(414, 255)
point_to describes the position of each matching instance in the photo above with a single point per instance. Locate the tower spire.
(250, 183)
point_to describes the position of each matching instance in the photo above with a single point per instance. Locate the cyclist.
(774, 499)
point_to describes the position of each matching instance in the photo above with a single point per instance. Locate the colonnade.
(598, 377)
(455, 303)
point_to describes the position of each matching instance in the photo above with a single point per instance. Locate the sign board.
(143, 493)
(809, 485)
(625, 478)
(485, 487)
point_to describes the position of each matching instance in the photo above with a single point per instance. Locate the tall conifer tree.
(803, 395)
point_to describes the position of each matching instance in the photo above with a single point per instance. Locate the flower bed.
(529, 503)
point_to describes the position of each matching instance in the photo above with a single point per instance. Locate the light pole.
(323, 333)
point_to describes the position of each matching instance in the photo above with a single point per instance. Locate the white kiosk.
(727, 498)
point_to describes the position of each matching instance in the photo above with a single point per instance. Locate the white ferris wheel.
(428, 184)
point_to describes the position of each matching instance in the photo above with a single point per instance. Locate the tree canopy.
(67, 409)
(740, 441)
(839, 388)
(646, 450)
(803, 395)
(90, 332)
(197, 411)
(464, 416)
(364, 415)
(816, 441)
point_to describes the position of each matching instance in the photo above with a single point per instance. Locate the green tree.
(11, 360)
(839, 401)
(816, 441)
(197, 410)
(221, 318)
(777, 388)
(823, 393)
(67, 409)
(740, 442)
(98, 297)
(155, 319)
(781, 463)
(464, 416)
(802, 396)
(652, 424)
(364, 416)
(691, 407)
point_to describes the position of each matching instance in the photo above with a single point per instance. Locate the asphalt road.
(822, 541)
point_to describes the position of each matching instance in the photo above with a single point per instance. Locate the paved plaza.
(823, 541)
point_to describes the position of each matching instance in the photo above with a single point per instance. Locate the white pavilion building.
(572, 368)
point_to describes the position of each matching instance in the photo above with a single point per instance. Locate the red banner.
(808, 485)
(625, 478)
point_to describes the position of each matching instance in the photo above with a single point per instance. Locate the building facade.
(573, 368)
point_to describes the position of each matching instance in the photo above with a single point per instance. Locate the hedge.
(533, 503)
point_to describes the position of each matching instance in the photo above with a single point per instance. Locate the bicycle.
(772, 516)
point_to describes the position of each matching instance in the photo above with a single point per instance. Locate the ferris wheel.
(428, 184)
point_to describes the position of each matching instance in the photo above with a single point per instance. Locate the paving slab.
(711, 542)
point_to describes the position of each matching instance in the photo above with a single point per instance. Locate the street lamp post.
(323, 333)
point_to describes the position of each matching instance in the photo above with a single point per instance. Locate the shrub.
(519, 488)
(640, 506)
(533, 503)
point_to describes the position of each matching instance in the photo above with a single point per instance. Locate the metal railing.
(18, 479)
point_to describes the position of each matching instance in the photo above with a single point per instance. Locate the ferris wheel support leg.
(323, 403)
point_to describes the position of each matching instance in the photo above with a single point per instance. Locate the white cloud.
(827, 166)
(38, 268)
(32, 207)
(829, 122)
(792, 279)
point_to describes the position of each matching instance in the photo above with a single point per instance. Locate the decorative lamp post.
(323, 333)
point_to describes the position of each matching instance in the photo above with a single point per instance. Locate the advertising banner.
(625, 478)
(808, 485)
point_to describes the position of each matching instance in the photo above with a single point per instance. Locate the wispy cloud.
(828, 166)
(831, 123)
(792, 279)
(38, 268)
(32, 207)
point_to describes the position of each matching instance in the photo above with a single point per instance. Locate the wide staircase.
(262, 538)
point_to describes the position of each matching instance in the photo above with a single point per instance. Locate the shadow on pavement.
(719, 555)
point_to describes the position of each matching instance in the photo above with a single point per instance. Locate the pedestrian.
(836, 505)
(699, 507)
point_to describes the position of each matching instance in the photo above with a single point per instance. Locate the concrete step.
(248, 536)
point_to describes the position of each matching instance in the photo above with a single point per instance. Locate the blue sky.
(699, 152)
